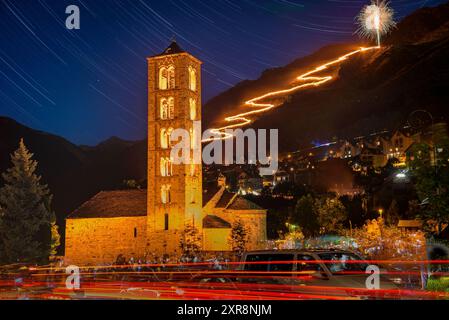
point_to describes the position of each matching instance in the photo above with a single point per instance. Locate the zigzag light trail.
(307, 80)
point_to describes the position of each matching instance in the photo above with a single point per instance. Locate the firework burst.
(375, 20)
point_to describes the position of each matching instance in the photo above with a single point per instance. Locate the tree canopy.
(28, 231)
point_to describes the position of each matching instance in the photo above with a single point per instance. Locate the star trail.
(89, 84)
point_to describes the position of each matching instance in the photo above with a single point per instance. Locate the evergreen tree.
(28, 231)
(305, 215)
(238, 238)
(190, 241)
(354, 208)
(432, 182)
(331, 214)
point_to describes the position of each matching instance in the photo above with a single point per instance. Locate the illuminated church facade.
(138, 223)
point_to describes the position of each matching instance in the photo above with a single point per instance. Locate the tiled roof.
(111, 204)
(209, 192)
(241, 203)
(225, 199)
(173, 48)
(231, 200)
(214, 222)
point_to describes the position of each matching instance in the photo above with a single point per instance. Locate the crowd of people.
(155, 262)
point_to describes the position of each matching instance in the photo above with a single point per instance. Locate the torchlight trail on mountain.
(310, 81)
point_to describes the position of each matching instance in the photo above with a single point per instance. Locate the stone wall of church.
(161, 243)
(255, 222)
(96, 241)
(216, 239)
(256, 225)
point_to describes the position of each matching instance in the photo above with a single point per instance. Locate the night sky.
(89, 84)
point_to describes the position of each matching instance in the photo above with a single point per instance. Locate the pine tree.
(190, 241)
(238, 238)
(28, 230)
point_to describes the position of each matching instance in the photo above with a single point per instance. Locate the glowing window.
(166, 167)
(163, 78)
(163, 167)
(192, 78)
(164, 108)
(171, 77)
(169, 132)
(164, 138)
(171, 108)
(169, 166)
(192, 103)
(167, 78)
(165, 193)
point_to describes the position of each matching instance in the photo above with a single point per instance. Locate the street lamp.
(401, 175)
(380, 211)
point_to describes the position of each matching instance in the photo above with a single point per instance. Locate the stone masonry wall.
(100, 240)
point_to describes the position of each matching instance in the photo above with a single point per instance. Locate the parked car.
(320, 273)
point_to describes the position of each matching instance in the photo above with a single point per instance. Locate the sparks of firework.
(375, 20)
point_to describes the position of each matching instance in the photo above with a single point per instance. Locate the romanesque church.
(134, 223)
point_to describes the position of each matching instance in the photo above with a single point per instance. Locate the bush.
(380, 242)
(438, 284)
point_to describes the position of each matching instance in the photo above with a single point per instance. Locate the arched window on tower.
(165, 193)
(169, 132)
(166, 167)
(192, 103)
(163, 167)
(169, 166)
(171, 77)
(164, 108)
(171, 108)
(166, 77)
(164, 138)
(192, 78)
(163, 78)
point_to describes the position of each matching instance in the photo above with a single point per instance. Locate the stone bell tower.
(174, 190)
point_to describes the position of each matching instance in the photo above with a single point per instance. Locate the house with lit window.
(397, 145)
